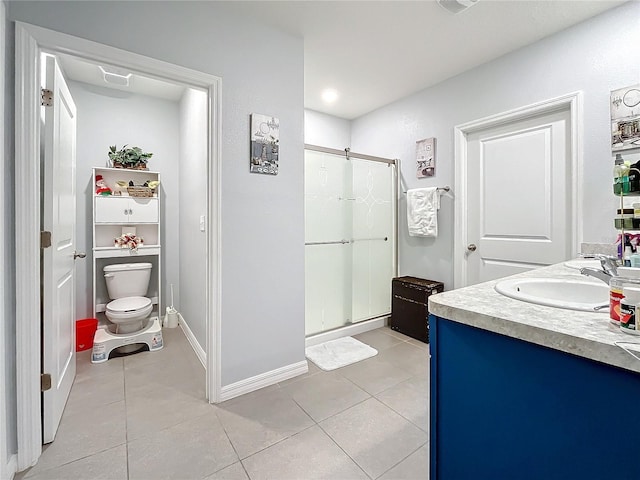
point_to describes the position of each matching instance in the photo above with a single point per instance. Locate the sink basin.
(556, 292)
(579, 263)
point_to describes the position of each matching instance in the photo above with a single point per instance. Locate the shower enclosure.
(350, 237)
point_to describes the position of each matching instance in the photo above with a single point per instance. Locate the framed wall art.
(426, 157)
(625, 118)
(265, 147)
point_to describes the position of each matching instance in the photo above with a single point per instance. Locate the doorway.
(168, 120)
(519, 175)
(31, 41)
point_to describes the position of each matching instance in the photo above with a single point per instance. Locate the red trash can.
(85, 330)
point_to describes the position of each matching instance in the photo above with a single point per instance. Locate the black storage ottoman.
(409, 308)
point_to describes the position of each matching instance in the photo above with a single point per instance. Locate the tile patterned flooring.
(145, 417)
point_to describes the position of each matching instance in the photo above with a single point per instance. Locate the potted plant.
(132, 158)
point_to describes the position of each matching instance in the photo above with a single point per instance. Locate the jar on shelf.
(624, 218)
(629, 305)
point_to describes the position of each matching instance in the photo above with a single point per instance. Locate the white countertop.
(586, 334)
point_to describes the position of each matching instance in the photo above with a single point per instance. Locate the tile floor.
(145, 417)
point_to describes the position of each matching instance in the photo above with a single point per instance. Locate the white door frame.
(572, 102)
(30, 42)
(6, 470)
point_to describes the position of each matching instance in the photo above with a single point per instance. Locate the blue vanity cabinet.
(504, 408)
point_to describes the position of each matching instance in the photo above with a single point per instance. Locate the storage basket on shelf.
(140, 191)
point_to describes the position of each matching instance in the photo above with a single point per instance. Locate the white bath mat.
(338, 353)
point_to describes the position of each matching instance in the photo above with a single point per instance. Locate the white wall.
(8, 407)
(326, 130)
(193, 204)
(262, 298)
(111, 117)
(594, 57)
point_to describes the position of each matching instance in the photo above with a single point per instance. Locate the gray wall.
(326, 130)
(7, 304)
(262, 298)
(111, 117)
(594, 57)
(193, 204)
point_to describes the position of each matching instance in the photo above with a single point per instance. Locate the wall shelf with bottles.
(627, 219)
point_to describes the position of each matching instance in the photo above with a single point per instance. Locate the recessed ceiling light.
(456, 6)
(329, 95)
(115, 77)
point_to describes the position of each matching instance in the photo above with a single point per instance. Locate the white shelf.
(116, 214)
(126, 171)
(108, 252)
(124, 222)
(125, 210)
(124, 194)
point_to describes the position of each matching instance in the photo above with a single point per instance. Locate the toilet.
(127, 285)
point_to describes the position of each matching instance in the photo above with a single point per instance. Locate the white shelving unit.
(117, 214)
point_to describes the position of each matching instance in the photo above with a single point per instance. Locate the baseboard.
(11, 468)
(263, 380)
(200, 353)
(347, 331)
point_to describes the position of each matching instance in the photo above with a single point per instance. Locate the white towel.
(422, 212)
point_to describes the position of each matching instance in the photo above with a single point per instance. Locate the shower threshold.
(347, 330)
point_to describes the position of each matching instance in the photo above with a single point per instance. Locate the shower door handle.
(335, 242)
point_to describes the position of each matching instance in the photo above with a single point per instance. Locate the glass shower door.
(373, 247)
(327, 228)
(349, 240)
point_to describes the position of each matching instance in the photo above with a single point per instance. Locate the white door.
(518, 196)
(59, 207)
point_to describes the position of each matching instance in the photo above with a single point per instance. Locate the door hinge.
(46, 97)
(45, 382)
(45, 239)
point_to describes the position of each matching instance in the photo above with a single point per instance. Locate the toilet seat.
(128, 308)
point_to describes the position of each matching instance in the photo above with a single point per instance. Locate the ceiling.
(88, 72)
(376, 52)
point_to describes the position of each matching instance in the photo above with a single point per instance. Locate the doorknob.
(79, 255)
(472, 247)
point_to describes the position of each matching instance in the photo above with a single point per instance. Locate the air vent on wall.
(457, 6)
(115, 76)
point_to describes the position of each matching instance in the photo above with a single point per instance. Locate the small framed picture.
(265, 147)
(426, 157)
(625, 118)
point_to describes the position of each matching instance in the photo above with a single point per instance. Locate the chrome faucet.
(609, 267)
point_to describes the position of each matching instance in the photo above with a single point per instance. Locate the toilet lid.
(128, 304)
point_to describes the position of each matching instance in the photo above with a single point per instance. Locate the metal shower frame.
(391, 162)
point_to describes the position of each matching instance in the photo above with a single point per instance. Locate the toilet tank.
(127, 279)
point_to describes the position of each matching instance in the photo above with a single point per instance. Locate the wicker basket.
(140, 191)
